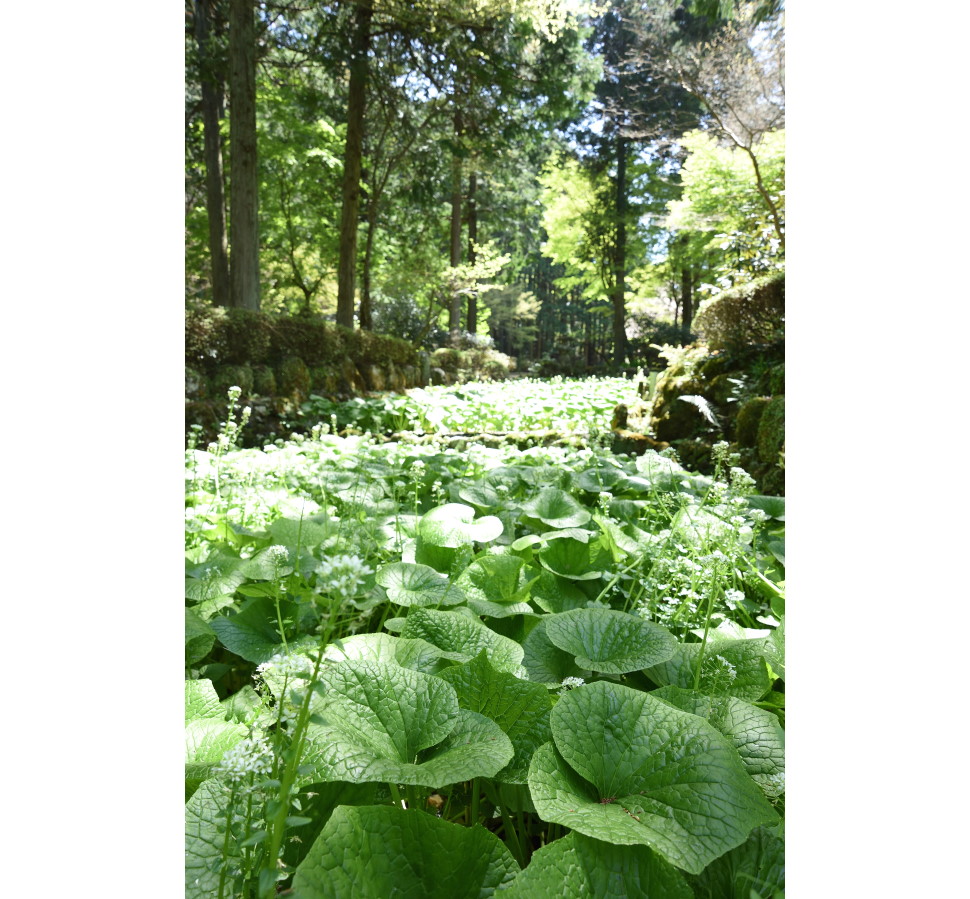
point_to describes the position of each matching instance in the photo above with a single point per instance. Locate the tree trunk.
(243, 180)
(365, 316)
(454, 315)
(353, 151)
(472, 241)
(212, 91)
(619, 289)
(686, 298)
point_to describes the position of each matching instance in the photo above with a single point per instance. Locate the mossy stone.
(749, 417)
(264, 381)
(294, 378)
(771, 430)
(227, 376)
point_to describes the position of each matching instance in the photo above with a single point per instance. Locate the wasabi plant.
(553, 670)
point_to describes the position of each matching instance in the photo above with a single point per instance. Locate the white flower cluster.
(252, 756)
(288, 665)
(716, 670)
(342, 575)
(569, 682)
(279, 554)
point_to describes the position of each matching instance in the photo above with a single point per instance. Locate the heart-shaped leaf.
(385, 851)
(493, 586)
(199, 638)
(627, 768)
(556, 508)
(380, 722)
(755, 733)
(520, 708)
(729, 668)
(455, 632)
(546, 663)
(581, 866)
(410, 584)
(610, 641)
(755, 868)
(252, 633)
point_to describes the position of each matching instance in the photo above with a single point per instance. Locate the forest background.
(93, 234)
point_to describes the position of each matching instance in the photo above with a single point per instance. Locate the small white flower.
(569, 682)
(252, 756)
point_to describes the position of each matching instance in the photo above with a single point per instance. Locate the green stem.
(476, 796)
(707, 628)
(396, 795)
(277, 826)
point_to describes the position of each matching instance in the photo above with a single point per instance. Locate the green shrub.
(446, 359)
(748, 420)
(308, 337)
(749, 314)
(247, 337)
(205, 338)
(771, 431)
(776, 380)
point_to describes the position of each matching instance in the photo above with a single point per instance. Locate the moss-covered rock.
(264, 381)
(294, 379)
(325, 380)
(694, 454)
(771, 431)
(749, 417)
(722, 388)
(227, 376)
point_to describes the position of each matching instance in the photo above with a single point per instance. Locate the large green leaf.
(456, 632)
(580, 867)
(207, 740)
(775, 649)
(381, 722)
(494, 586)
(454, 524)
(294, 532)
(773, 506)
(627, 768)
(202, 701)
(546, 663)
(252, 633)
(600, 478)
(556, 508)
(447, 531)
(729, 668)
(755, 733)
(610, 641)
(409, 653)
(553, 593)
(199, 638)
(409, 584)
(204, 837)
(380, 852)
(482, 496)
(521, 709)
(575, 559)
(755, 868)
